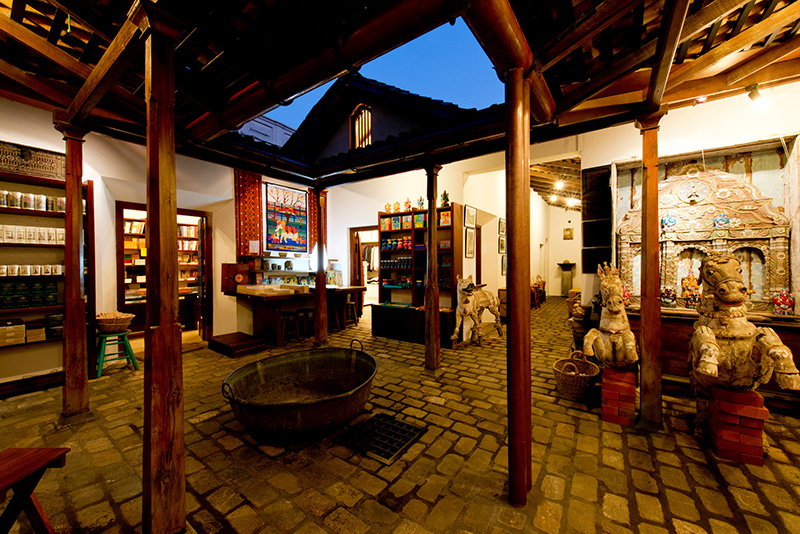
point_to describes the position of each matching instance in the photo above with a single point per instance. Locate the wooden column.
(650, 331)
(76, 364)
(433, 342)
(320, 291)
(163, 495)
(518, 281)
(526, 204)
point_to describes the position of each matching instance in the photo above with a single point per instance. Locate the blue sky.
(446, 64)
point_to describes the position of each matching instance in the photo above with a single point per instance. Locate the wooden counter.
(408, 324)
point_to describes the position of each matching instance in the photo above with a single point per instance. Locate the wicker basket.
(114, 322)
(574, 374)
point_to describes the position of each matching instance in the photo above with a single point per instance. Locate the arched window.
(361, 127)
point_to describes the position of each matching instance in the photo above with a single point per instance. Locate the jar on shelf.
(14, 199)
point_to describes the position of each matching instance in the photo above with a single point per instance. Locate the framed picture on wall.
(470, 216)
(469, 243)
(501, 226)
(568, 233)
(501, 244)
(503, 265)
(286, 219)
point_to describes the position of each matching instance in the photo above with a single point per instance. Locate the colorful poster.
(287, 219)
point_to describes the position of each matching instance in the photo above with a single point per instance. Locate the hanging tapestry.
(287, 219)
(248, 210)
(312, 217)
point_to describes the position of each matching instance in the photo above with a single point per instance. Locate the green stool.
(115, 339)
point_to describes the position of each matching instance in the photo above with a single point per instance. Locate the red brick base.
(737, 420)
(619, 396)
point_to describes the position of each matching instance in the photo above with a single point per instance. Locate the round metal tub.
(301, 392)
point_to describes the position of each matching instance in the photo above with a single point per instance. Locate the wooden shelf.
(8, 311)
(32, 277)
(32, 213)
(6, 176)
(32, 343)
(37, 245)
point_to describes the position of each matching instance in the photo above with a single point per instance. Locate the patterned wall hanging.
(247, 187)
(286, 219)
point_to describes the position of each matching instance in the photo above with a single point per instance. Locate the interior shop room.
(569, 310)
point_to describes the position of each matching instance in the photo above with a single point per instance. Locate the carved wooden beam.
(771, 55)
(748, 37)
(691, 28)
(128, 43)
(603, 16)
(672, 26)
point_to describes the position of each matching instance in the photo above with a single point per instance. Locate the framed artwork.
(286, 219)
(470, 216)
(469, 243)
(501, 244)
(501, 226)
(503, 265)
(568, 233)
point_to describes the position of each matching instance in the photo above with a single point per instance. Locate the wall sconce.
(759, 101)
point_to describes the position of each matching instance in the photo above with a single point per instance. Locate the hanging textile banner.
(287, 219)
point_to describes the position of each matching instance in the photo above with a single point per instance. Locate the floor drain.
(382, 437)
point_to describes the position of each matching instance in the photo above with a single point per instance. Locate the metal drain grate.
(382, 437)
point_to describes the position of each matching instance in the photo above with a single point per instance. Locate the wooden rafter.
(129, 42)
(740, 22)
(763, 60)
(672, 26)
(59, 23)
(691, 28)
(708, 43)
(584, 31)
(748, 37)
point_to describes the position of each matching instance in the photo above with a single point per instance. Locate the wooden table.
(337, 297)
(20, 471)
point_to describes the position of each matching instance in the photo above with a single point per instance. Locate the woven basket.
(574, 374)
(114, 322)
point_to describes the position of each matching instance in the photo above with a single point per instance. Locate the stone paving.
(589, 476)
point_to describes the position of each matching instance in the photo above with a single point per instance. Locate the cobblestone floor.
(589, 476)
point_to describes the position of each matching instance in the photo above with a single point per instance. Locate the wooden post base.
(619, 396)
(737, 423)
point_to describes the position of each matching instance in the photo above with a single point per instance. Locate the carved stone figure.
(726, 349)
(471, 302)
(614, 344)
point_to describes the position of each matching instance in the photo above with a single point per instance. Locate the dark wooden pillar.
(76, 365)
(163, 495)
(526, 159)
(650, 331)
(320, 291)
(518, 281)
(433, 359)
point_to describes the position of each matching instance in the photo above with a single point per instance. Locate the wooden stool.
(288, 317)
(350, 312)
(306, 315)
(115, 339)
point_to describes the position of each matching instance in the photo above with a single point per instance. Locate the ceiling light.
(559, 185)
(572, 202)
(553, 198)
(700, 99)
(759, 101)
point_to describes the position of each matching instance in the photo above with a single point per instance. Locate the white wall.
(562, 249)
(118, 172)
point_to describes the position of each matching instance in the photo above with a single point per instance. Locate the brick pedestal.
(736, 419)
(619, 396)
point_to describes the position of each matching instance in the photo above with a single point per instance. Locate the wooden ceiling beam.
(59, 23)
(62, 59)
(708, 43)
(742, 19)
(603, 16)
(18, 10)
(691, 28)
(77, 9)
(127, 44)
(784, 17)
(671, 27)
(763, 60)
(718, 84)
(45, 91)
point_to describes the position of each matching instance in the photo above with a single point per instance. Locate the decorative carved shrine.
(705, 211)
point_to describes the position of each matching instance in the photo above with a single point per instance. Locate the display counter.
(408, 324)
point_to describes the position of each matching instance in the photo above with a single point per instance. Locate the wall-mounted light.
(759, 101)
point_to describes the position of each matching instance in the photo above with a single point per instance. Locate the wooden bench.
(20, 471)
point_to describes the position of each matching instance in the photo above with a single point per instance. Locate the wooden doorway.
(363, 246)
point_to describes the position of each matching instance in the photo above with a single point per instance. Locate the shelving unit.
(36, 300)
(132, 265)
(403, 271)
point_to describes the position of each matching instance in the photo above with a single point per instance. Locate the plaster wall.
(564, 249)
(118, 171)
